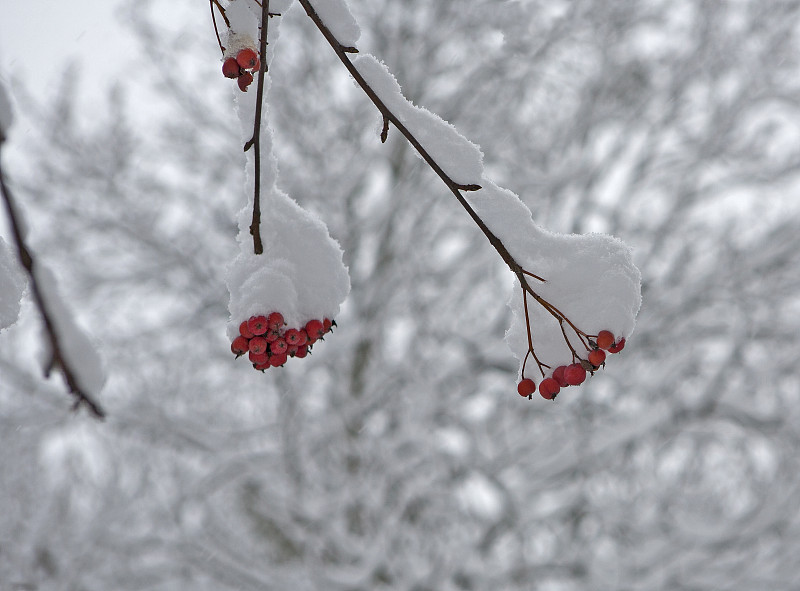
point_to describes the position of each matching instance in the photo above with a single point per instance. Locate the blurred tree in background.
(399, 456)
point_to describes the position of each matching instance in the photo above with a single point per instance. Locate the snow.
(6, 114)
(591, 278)
(12, 285)
(300, 273)
(78, 351)
(458, 157)
(337, 17)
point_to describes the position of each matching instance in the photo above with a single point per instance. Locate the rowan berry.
(558, 376)
(258, 345)
(301, 352)
(240, 346)
(597, 357)
(247, 58)
(549, 388)
(526, 387)
(245, 331)
(327, 324)
(275, 321)
(314, 329)
(276, 360)
(245, 79)
(574, 374)
(257, 325)
(230, 68)
(605, 339)
(258, 358)
(618, 346)
(295, 338)
(278, 347)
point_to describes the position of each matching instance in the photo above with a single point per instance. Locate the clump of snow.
(340, 21)
(300, 273)
(12, 285)
(590, 278)
(77, 350)
(6, 114)
(460, 159)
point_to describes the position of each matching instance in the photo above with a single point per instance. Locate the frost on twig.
(578, 286)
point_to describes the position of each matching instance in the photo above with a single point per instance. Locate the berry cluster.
(269, 343)
(242, 67)
(575, 373)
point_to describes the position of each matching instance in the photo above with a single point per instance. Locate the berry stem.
(57, 359)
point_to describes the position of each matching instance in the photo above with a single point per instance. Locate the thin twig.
(255, 141)
(57, 357)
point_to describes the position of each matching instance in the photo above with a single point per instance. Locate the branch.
(255, 141)
(57, 357)
(389, 116)
(457, 190)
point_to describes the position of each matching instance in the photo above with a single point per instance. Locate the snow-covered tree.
(396, 456)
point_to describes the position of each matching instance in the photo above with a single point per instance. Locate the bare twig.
(255, 141)
(57, 357)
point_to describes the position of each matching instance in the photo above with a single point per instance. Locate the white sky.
(38, 37)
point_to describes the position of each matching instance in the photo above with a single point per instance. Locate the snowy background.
(399, 455)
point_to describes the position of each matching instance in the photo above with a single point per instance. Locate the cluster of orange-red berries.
(575, 373)
(268, 343)
(242, 67)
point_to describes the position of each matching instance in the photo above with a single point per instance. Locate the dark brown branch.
(57, 359)
(455, 188)
(255, 141)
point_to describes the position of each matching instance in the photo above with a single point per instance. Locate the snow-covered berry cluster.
(269, 343)
(575, 373)
(242, 67)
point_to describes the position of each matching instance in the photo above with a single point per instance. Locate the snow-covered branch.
(69, 350)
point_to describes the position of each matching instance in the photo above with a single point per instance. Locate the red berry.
(257, 325)
(258, 345)
(278, 360)
(278, 347)
(275, 321)
(314, 329)
(295, 338)
(574, 374)
(247, 58)
(548, 388)
(240, 346)
(605, 339)
(262, 366)
(258, 358)
(245, 79)
(526, 387)
(301, 352)
(256, 66)
(230, 68)
(245, 331)
(617, 347)
(558, 376)
(597, 357)
(327, 324)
